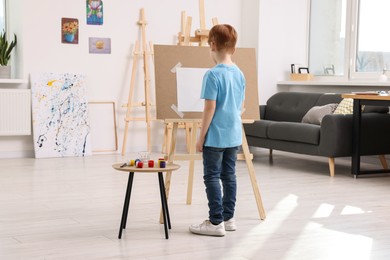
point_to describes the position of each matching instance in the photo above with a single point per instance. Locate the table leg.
(164, 205)
(166, 202)
(126, 204)
(356, 126)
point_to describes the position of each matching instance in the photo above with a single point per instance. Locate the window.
(349, 38)
(2, 15)
(327, 37)
(373, 38)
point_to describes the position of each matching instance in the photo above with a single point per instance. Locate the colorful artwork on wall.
(60, 115)
(94, 12)
(70, 30)
(100, 45)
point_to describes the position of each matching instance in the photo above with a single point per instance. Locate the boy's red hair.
(224, 37)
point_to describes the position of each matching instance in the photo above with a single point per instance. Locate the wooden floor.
(70, 208)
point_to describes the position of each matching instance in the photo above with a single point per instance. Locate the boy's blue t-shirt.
(226, 85)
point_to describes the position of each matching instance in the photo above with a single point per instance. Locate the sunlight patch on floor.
(339, 245)
(260, 233)
(324, 211)
(349, 210)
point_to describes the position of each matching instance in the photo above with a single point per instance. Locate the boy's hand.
(199, 145)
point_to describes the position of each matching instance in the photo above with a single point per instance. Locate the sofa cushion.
(290, 106)
(345, 107)
(258, 128)
(294, 132)
(328, 98)
(316, 113)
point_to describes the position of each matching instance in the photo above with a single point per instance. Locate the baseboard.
(17, 154)
(31, 153)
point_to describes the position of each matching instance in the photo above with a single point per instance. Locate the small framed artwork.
(329, 69)
(303, 70)
(94, 12)
(70, 30)
(299, 68)
(100, 45)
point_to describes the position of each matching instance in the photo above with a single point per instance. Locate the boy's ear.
(212, 46)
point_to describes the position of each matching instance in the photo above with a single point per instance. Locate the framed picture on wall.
(94, 12)
(70, 30)
(99, 45)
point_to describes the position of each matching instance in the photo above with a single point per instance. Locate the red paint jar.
(151, 163)
(140, 164)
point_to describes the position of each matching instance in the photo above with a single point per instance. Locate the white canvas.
(60, 115)
(189, 86)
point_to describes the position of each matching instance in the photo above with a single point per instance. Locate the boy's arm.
(207, 116)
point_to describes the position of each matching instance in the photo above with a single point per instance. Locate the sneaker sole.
(206, 234)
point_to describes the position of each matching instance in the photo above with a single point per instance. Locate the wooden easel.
(185, 39)
(201, 34)
(192, 156)
(147, 104)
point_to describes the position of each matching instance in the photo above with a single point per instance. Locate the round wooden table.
(164, 203)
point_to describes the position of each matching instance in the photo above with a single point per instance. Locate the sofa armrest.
(262, 109)
(336, 135)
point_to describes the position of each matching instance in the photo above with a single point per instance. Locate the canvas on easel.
(169, 57)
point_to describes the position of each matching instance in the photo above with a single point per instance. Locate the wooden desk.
(358, 102)
(164, 202)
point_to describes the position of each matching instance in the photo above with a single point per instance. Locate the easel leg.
(192, 163)
(170, 160)
(188, 127)
(130, 97)
(125, 138)
(149, 138)
(252, 175)
(167, 138)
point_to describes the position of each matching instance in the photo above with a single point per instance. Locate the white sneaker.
(230, 225)
(209, 229)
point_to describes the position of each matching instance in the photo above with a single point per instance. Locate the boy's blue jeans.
(220, 166)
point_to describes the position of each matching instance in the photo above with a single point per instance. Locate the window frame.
(350, 47)
(353, 75)
(5, 11)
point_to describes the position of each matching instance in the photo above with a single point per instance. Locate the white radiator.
(15, 112)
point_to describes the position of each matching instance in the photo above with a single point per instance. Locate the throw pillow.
(316, 113)
(345, 107)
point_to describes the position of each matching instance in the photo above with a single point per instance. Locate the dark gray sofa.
(280, 128)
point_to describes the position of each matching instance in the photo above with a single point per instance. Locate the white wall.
(276, 28)
(37, 24)
(282, 41)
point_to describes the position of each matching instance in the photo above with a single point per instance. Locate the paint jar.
(162, 164)
(159, 161)
(140, 164)
(150, 163)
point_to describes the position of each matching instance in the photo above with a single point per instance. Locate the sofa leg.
(382, 158)
(331, 166)
(270, 154)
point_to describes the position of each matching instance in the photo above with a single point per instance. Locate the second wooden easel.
(145, 53)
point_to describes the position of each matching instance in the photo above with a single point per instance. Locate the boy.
(221, 133)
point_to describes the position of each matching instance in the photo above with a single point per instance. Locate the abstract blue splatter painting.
(60, 115)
